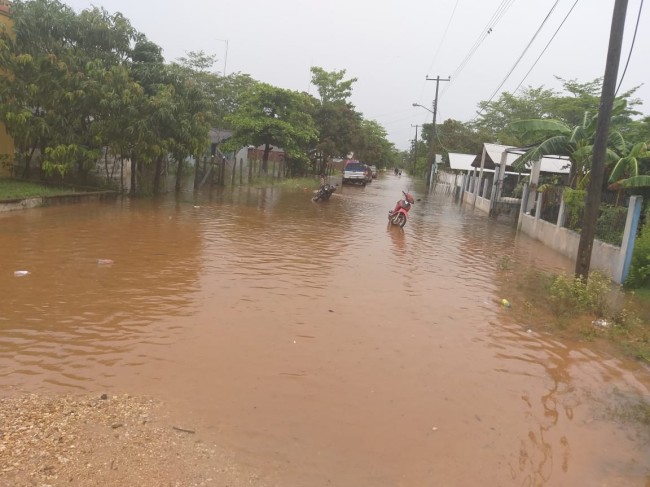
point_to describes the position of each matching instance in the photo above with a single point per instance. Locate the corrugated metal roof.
(552, 164)
(461, 162)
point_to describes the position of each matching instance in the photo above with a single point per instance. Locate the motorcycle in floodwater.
(399, 214)
(324, 192)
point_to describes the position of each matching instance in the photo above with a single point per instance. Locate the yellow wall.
(6, 142)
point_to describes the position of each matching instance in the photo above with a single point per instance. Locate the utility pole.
(594, 192)
(437, 79)
(415, 148)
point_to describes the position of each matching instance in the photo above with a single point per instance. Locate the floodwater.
(318, 345)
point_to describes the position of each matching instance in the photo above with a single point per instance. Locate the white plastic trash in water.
(104, 261)
(21, 273)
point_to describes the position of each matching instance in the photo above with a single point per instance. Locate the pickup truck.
(354, 172)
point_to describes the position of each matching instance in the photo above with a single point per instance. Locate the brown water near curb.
(319, 345)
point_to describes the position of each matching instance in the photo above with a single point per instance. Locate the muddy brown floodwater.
(314, 343)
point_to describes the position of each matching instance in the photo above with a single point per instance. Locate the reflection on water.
(322, 345)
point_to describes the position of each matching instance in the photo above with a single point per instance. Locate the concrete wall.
(611, 260)
(604, 257)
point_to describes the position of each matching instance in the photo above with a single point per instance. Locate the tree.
(274, 117)
(373, 147)
(338, 123)
(626, 174)
(455, 136)
(553, 137)
(330, 85)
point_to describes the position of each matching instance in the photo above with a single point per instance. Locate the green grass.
(13, 189)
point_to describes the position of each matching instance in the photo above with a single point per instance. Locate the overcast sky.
(391, 46)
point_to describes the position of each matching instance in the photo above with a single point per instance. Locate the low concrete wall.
(605, 257)
(58, 200)
(478, 202)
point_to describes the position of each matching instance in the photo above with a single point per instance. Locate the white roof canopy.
(553, 164)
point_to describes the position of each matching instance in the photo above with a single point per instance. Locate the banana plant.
(625, 173)
(557, 138)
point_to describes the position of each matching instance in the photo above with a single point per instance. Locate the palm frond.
(538, 127)
(556, 145)
(641, 181)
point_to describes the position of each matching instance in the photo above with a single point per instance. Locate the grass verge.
(13, 189)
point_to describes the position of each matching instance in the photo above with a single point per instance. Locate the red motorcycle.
(399, 214)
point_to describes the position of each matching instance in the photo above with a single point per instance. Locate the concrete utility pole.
(415, 148)
(437, 79)
(594, 192)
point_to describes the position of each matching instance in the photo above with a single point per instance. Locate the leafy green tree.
(330, 85)
(338, 123)
(373, 147)
(550, 137)
(495, 116)
(274, 117)
(626, 173)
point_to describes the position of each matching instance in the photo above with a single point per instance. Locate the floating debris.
(21, 273)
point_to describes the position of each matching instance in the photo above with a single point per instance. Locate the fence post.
(538, 207)
(561, 215)
(629, 235)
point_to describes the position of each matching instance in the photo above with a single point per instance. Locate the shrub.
(574, 206)
(611, 224)
(570, 295)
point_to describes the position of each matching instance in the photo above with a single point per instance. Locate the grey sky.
(392, 45)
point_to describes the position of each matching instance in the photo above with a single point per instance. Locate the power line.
(444, 36)
(494, 20)
(522, 54)
(548, 44)
(631, 48)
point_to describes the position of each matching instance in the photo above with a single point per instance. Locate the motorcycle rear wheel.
(399, 220)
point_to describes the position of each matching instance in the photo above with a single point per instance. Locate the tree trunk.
(157, 176)
(134, 170)
(265, 159)
(179, 175)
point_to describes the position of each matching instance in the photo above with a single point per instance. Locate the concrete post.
(485, 187)
(538, 207)
(480, 176)
(561, 216)
(629, 235)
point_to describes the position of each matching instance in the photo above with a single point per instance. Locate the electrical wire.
(631, 48)
(522, 54)
(444, 36)
(547, 44)
(435, 56)
(494, 20)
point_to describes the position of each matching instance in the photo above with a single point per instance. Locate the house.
(491, 183)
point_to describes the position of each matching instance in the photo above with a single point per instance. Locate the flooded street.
(319, 345)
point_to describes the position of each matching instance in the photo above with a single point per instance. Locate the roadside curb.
(56, 200)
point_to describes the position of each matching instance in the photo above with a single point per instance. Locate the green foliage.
(330, 85)
(63, 158)
(276, 117)
(640, 266)
(574, 205)
(611, 224)
(571, 295)
(14, 189)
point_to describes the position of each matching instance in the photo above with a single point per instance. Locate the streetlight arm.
(422, 106)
